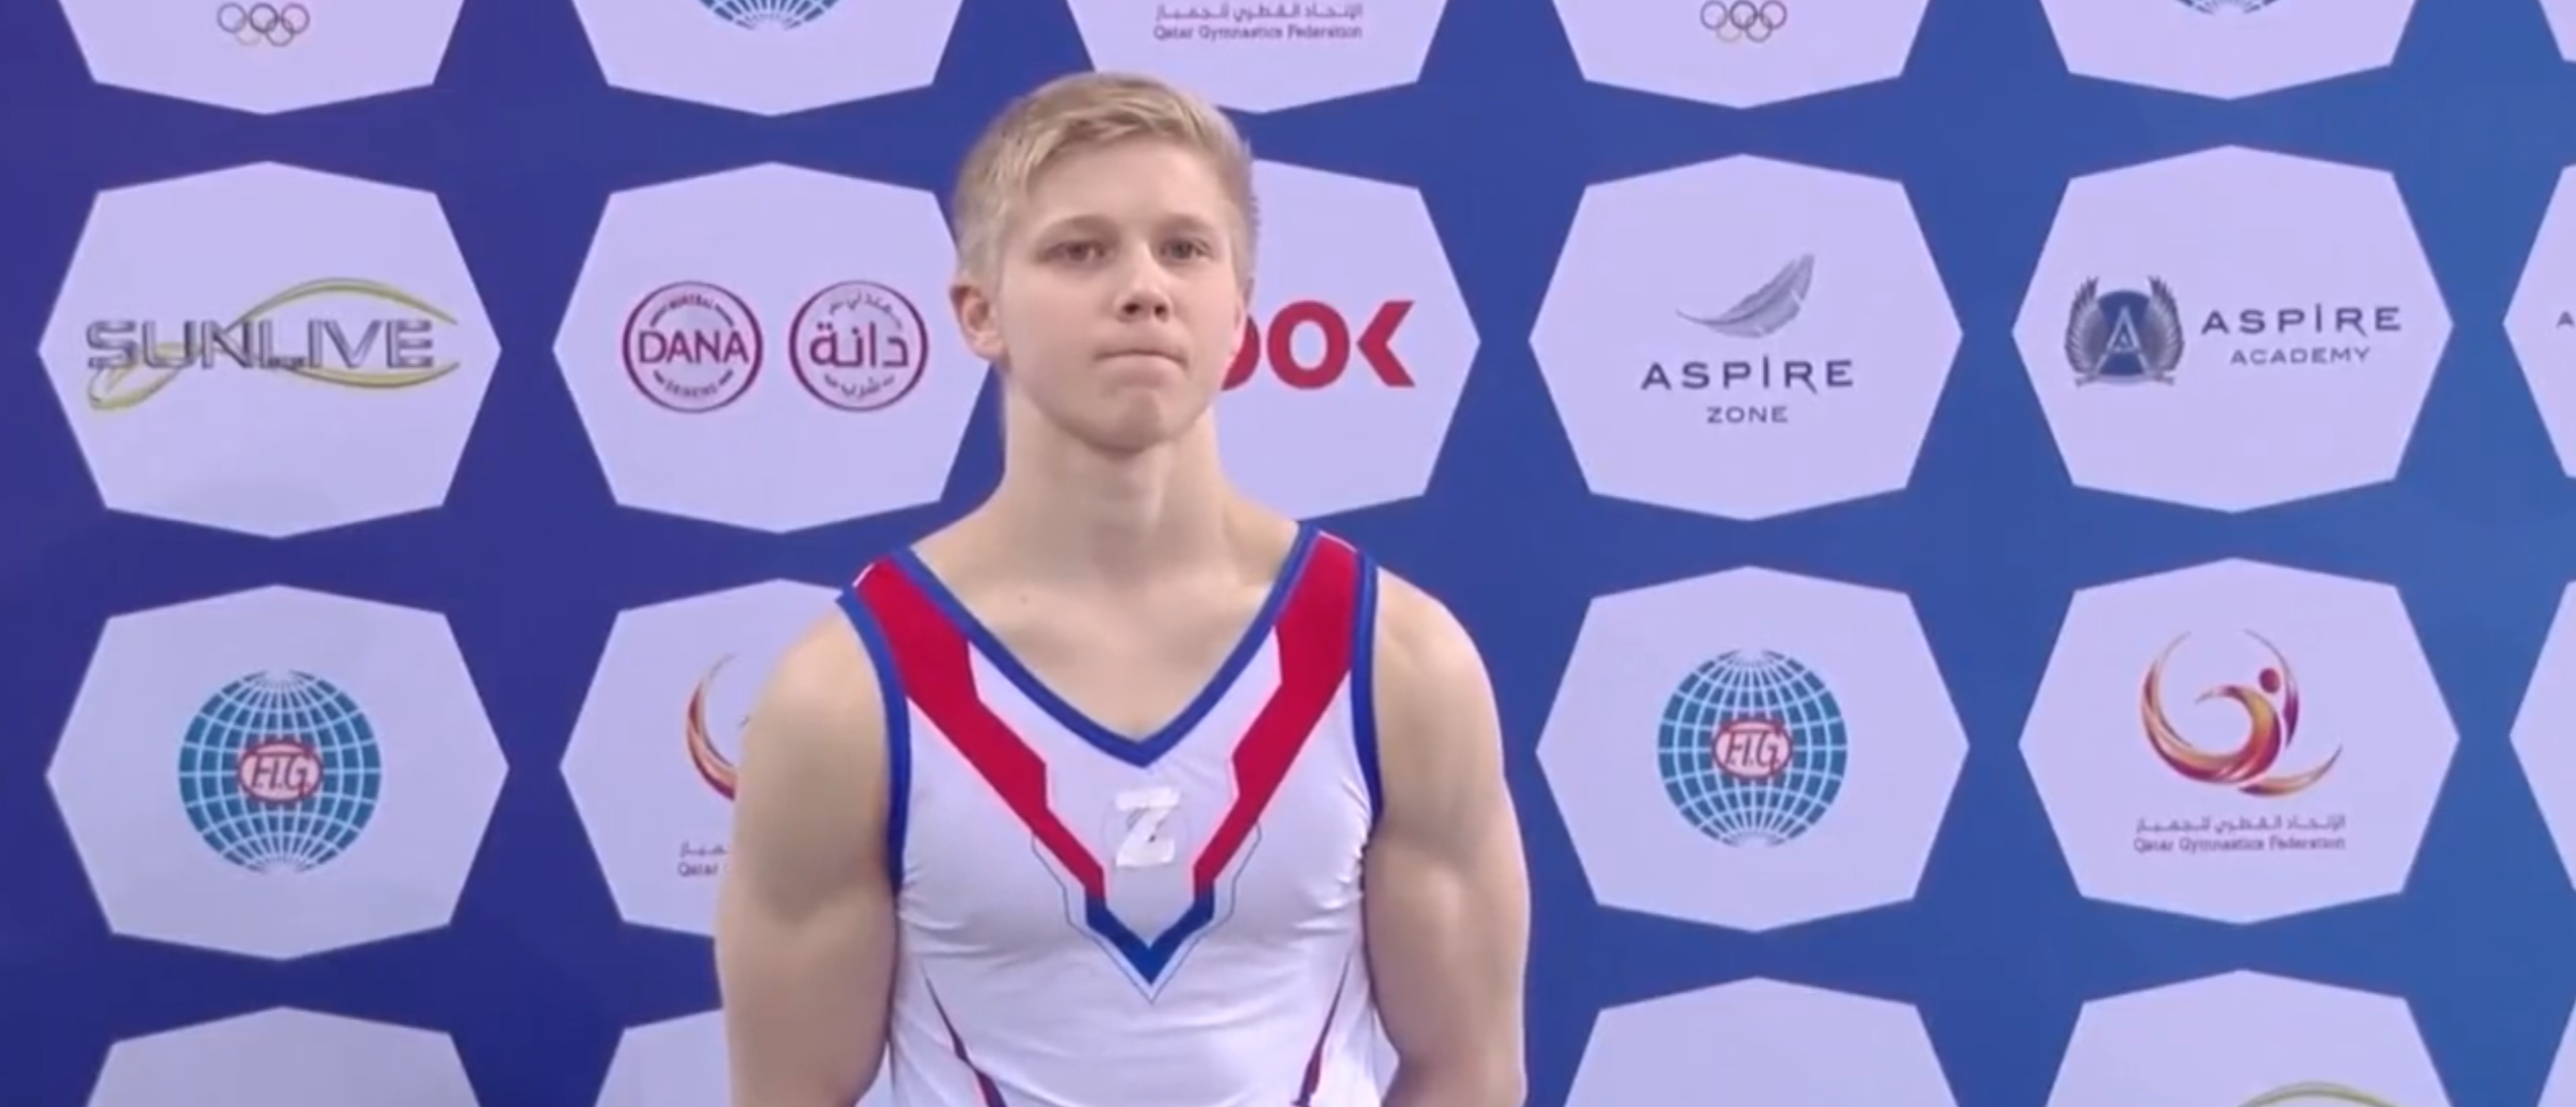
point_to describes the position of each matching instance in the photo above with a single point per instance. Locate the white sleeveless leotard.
(1089, 920)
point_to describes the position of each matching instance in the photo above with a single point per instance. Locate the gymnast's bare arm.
(1447, 889)
(805, 931)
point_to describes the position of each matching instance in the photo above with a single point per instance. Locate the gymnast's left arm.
(1447, 886)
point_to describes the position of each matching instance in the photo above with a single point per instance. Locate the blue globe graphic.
(1753, 748)
(785, 15)
(280, 772)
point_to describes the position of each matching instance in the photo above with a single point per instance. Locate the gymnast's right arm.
(805, 928)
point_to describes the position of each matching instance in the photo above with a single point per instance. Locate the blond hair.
(1087, 111)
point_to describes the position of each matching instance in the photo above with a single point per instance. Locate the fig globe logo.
(770, 15)
(1753, 748)
(280, 772)
(693, 347)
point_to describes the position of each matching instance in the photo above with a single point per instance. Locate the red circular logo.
(1750, 749)
(279, 771)
(692, 347)
(859, 346)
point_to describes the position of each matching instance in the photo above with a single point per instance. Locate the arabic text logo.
(2271, 707)
(394, 346)
(2228, 7)
(1283, 22)
(859, 346)
(2124, 336)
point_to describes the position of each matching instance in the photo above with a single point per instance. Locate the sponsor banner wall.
(2025, 546)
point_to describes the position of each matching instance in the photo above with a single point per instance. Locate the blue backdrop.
(523, 141)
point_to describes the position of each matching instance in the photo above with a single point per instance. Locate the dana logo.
(1753, 748)
(279, 772)
(700, 386)
(695, 347)
(779, 15)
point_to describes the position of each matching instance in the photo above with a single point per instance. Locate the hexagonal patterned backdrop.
(2027, 548)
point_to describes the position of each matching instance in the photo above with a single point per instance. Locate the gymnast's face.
(1117, 302)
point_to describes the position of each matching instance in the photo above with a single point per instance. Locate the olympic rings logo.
(1744, 20)
(252, 24)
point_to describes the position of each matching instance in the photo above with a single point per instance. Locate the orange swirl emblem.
(713, 766)
(2271, 706)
